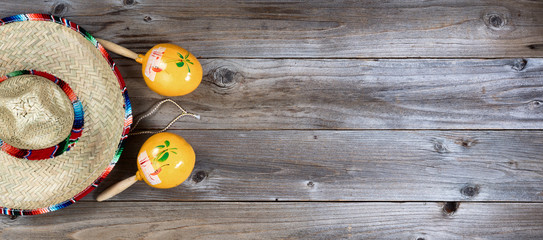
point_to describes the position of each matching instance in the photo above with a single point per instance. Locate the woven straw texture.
(34, 112)
(53, 48)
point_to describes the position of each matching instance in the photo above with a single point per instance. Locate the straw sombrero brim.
(59, 47)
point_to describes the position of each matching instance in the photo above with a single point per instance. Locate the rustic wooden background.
(328, 120)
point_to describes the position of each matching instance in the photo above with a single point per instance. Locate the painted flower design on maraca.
(179, 62)
(160, 155)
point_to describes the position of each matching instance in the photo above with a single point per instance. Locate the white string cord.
(152, 112)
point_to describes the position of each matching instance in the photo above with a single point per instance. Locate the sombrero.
(64, 112)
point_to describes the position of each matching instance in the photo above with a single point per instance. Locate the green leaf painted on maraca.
(181, 62)
(164, 153)
(164, 157)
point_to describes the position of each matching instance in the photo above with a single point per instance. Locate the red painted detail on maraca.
(156, 69)
(159, 170)
(147, 168)
(155, 64)
(156, 172)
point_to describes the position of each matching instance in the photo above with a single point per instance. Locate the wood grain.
(327, 120)
(163, 220)
(349, 166)
(354, 94)
(311, 29)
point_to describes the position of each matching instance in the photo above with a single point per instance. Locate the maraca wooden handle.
(117, 49)
(117, 188)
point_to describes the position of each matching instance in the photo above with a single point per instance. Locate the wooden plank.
(317, 220)
(316, 29)
(355, 94)
(350, 166)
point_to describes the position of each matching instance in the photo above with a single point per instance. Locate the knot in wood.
(534, 46)
(519, 64)
(535, 104)
(467, 143)
(59, 9)
(470, 191)
(310, 184)
(495, 21)
(129, 2)
(449, 208)
(147, 19)
(199, 176)
(439, 147)
(513, 163)
(224, 77)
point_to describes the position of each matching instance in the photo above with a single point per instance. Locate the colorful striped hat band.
(64, 113)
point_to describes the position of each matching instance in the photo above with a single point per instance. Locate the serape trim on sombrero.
(66, 144)
(127, 107)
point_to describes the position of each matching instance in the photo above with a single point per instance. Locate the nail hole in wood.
(470, 191)
(519, 64)
(310, 184)
(315, 137)
(199, 176)
(277, 199)
(12, 217)
(449, 208)
(421, 238)
(147, 19)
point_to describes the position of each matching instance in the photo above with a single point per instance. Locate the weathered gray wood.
(350, 166)
(279, 65)
(355, 94)
(317, 220)
(320, 29)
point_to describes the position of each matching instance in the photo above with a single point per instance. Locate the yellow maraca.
(165, 160)
(168, 69)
